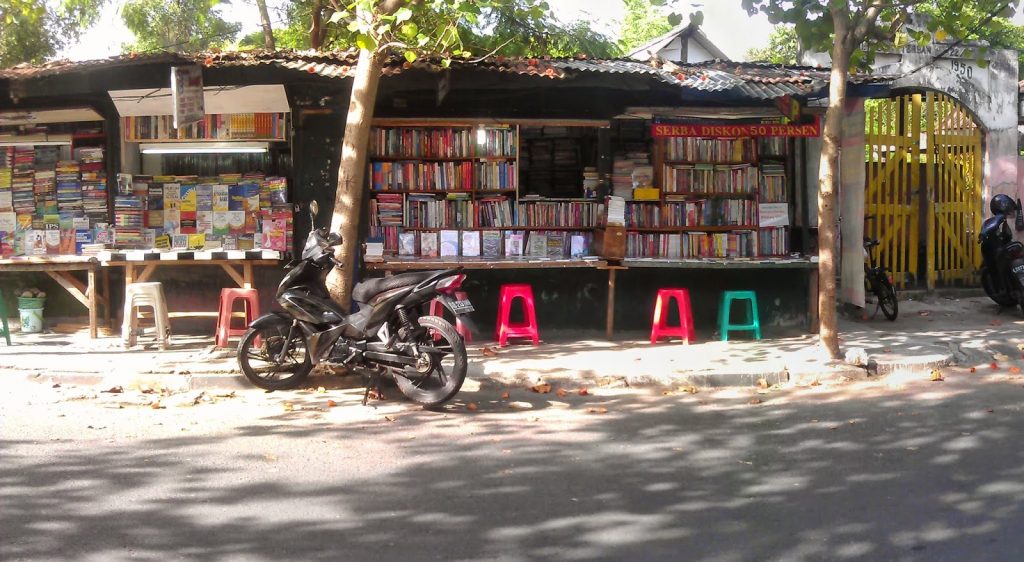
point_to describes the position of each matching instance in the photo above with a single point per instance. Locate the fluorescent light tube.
(204, 148)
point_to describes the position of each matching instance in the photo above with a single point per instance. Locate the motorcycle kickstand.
(372, 383)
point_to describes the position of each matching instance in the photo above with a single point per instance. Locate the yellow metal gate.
(924, 168)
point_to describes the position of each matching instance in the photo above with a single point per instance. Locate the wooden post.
(812, 300)
(610, 313)
(109, 300)
(247, 275)
(92, 302)
(129, 274)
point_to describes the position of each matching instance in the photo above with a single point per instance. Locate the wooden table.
(140, 266)
(60, 269)
(393, 265)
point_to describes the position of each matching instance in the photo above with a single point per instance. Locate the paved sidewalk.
(932, 332)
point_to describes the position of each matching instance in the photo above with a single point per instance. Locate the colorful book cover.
(196, 241)
(149, 238)
(407, 244)
(229, 242)
(251, 222)
(188, 199)
(491, 243)
(51, 239)
(273, 235)
(556, 244)
(428, 244)
(449, 243)
(236, 222)
(155, 219)
(577, 246)
(204, 222)
(188, 222)
(220, 198)
(250, 197)
(514, 244)
(67, 241)
(172, 197)
(236, 201)
(220, 223)
(537, 245)
(246, 242)
(156, 198)
(172, 221)
(204, 197)
(179, 241)
(471, 243)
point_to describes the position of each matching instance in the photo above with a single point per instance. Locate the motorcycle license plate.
(462, 306)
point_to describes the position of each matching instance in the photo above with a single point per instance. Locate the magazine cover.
(470, 243)
(428, 244)
(449, 243)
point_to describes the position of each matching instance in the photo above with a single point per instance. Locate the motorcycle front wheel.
(887, 300)
(441, 365)
(268, 363)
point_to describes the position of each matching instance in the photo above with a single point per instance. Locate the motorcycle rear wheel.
(887, 300)
(988, 283)
(442, 369)
(259, 357)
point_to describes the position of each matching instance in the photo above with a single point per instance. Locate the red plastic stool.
(659, 325)
(437, 309)
(505, 328)
(251, 298)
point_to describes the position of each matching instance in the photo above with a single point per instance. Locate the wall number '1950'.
(963, 69)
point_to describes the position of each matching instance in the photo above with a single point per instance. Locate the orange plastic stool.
(437, 309)
(251, 298)
(505, 328)
(659, 325)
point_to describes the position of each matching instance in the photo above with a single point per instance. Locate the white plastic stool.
(138, 295)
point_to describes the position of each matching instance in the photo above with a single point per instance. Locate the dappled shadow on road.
(833, 473)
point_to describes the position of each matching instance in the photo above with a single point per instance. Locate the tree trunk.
(316, 24)
(828, 224)
(268, 32)
(348, 198)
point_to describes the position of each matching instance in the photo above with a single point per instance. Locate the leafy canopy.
(33, 30)
(781, 49)
(644, 21)
(177, 25)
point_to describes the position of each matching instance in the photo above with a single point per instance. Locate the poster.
(187, 94)
(773, 214)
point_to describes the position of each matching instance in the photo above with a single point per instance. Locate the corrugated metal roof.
(744, 80)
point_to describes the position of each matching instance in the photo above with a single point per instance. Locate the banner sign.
(728, 130)
(187, 94)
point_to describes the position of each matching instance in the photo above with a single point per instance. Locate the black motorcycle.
(387, 336)
(1002, 271)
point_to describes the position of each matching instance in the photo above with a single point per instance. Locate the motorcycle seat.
(366, 290)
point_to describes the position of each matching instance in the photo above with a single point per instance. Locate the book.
(514, 244)
(220, 223)
(556, 244)
(407, 244)
(188, 198)
(471, 243)
(428, 244)
(449, 243)
(537, 245)
(577, 246)
(172, 197)
(491, 244)
(220, 198)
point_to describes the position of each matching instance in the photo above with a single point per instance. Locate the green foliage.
(177, 25)
(464, 28)
(781, 49)
(644, 21)
(33, 30)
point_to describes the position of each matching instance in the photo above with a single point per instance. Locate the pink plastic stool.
(505, 328)
(659, 325)
(437, 309)
(251, 298)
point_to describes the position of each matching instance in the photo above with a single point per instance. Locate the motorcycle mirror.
(314, 209)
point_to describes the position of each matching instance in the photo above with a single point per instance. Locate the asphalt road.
(911, 470)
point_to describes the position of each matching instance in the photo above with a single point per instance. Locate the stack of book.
(22, 181)
(94, 184)
(622, 172)
(6, 178)
(129, 221)
(773, 183)
(538, 212)
(69, 188)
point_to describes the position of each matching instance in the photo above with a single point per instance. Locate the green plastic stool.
(3, 320)
(753, 324)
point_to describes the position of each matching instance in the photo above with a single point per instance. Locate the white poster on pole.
(773, 214)
(187, 94)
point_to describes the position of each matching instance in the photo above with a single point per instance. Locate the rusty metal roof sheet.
(744, 80)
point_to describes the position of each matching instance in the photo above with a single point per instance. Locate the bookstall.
(212, 192)
(517, 195)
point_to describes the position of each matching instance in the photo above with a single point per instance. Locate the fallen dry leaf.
(597, 410)
(561, 392)
(583, 391)
(389, 418)
(994, 365)
(504, 395)
(542, 388)
(973, 369)
(375, 394)
(288, 407)
(937, 375)
(667, 393)
(690, 389)
(990, 410)
(815, 382)
(115, 390)
(996, 322)
(1014, 370)
(924, 313)
(321, 390)
(488, 352)
(762, 383)
(472, 407)
(155, 405)
(755, 401)
(331, 403)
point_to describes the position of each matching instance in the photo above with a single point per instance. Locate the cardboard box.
(610, 242)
